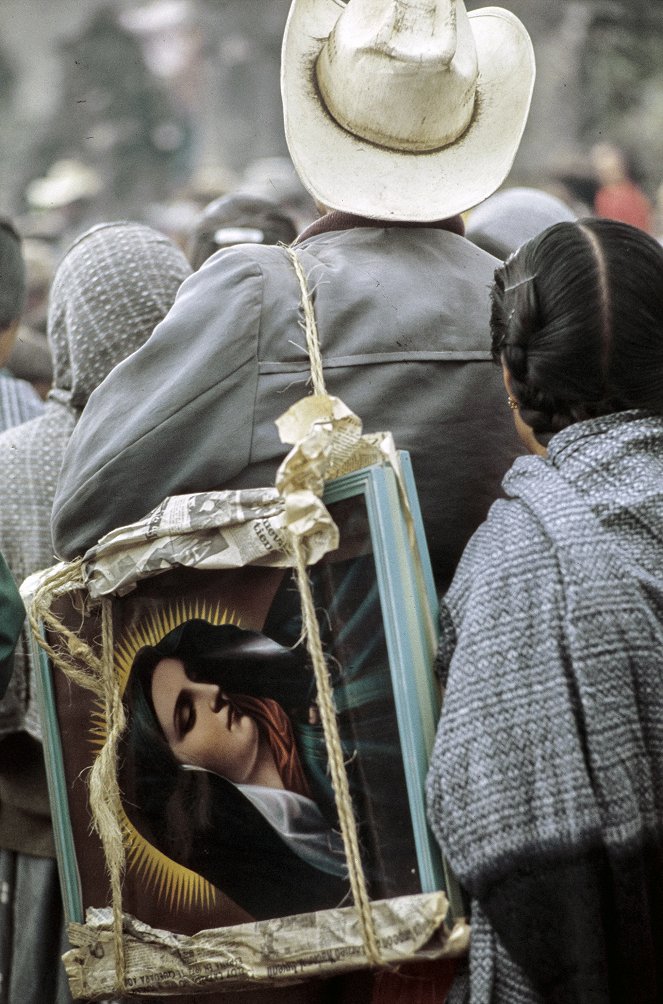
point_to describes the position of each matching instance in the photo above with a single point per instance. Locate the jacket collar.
(337, 220)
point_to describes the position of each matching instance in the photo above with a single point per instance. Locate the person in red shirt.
(618, 196)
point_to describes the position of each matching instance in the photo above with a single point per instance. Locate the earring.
(513, 404)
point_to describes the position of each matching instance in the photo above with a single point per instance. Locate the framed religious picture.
(227, 808)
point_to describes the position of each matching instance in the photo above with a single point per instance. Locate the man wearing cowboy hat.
(399, 115)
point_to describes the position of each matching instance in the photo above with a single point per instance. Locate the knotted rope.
(98, 676)
(347, 819)
(310, 326)
(311, 632)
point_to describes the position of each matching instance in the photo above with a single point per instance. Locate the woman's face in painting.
(202, 727)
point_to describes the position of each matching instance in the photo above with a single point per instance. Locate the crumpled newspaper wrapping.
(273, 952)
(216, 530)
(230, 529)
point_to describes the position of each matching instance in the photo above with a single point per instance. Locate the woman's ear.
(525, 432)
(508, 383)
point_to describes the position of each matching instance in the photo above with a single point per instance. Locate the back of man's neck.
(336, 219)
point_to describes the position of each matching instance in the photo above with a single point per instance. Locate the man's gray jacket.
(402, 315)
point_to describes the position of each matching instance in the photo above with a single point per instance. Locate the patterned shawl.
(113, 286)
(19, 401)
(546, 782)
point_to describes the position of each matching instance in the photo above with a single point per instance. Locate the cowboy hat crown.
(404, 109)
(401, 57)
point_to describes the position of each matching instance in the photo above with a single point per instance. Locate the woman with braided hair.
(546, 782)
(576, 323)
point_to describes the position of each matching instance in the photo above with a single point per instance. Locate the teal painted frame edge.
(458, 907)
(70, 883)
(411, 650)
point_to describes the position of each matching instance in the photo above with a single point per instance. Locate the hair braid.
(577, 319)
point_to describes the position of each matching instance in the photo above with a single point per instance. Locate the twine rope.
(311, 632)
(310, 327)
(71, 651)
(99, 676)
(104, 786)
(339, 776)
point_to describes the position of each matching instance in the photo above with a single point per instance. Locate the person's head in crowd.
(30, 360)
(573, 180)
(658, 208)
(40, 263)
(69, 187)
(12, 286)
(238, 219)
(276, 180)
(111, 289)
(611, 164)
(510, 217)
(30, 356)
(369, 136)
(209, 182)
(577, 324)
(619, 195)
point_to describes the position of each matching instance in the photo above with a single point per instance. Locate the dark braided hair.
(577, 318)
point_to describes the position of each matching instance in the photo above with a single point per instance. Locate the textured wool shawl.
(116, 282)
(546, 783)
(19, 401)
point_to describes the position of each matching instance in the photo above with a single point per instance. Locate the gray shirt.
(402, 314)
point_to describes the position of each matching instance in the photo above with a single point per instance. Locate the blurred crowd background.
(149, 111)
(168, 113)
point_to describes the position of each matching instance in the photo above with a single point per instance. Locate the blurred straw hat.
(404, 109)
(66, 181)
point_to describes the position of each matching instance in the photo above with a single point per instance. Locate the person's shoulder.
(235, 273)
(510, 528)
(35, 446)
(447, 245)
(405, 250)
(505, 570)
(18, 429)
(19, 396)
(507, 551)
(250, 257)
(13, 438)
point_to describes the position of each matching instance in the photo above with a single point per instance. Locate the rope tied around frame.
(311, 632)
(100, 678)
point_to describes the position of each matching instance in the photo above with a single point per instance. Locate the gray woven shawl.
(113, 286)
(546, 781)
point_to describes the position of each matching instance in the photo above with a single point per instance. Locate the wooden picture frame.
(378, 619)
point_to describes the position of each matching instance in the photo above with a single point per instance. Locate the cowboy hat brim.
(343, 171)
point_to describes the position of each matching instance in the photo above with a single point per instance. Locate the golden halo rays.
(170, 882)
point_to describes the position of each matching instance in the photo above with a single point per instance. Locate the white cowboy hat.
(404, 109)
